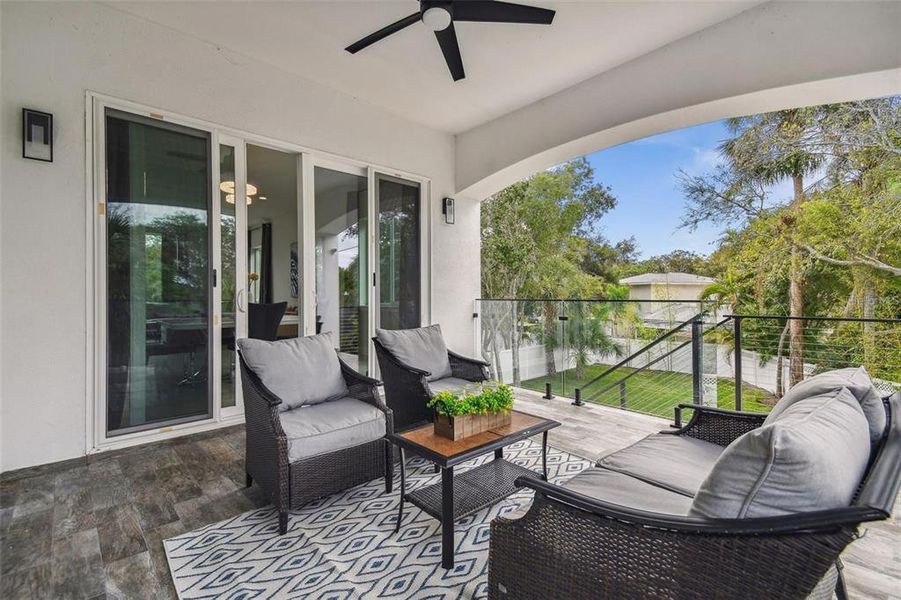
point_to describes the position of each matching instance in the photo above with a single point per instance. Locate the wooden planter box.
(455, 428)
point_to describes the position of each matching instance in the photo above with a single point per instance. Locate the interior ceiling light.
(229, 188)
(230, 198)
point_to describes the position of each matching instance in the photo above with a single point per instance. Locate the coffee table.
(454, 497)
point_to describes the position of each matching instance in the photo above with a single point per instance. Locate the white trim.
(95, 281)
(306, 245)
(215, 231)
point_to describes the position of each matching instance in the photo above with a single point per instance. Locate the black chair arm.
(363, 388)
(469, 359)
(883, 479)
(470, 369)
(352, 376)
(257, 384)
(716, 425)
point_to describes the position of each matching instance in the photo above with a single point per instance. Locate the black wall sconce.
(447, 207)
(37, 135)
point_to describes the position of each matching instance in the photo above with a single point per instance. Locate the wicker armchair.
(407, 389)
(290, 485)
(569, 545)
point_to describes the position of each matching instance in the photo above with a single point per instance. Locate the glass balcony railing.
(651, 356)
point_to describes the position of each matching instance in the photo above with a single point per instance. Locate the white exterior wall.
(51, 55)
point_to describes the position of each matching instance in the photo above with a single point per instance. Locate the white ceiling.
(507, 66)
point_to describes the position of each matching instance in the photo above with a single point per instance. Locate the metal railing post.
(548, 393)
(737, 335)
(578, 397)
(697, 361)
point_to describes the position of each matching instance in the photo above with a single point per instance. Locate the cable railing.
(558, 346)
(651, 356)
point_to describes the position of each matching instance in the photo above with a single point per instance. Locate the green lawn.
(651, 392)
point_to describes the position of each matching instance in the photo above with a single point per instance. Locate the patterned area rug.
(344, 547)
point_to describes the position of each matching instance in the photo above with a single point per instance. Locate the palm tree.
(723, 292)
(762, 149)
(586, 335)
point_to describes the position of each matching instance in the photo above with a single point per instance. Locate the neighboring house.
(678, 295)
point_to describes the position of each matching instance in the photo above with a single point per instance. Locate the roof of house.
(667, 278)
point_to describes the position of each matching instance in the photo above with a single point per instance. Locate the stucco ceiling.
(507, 66)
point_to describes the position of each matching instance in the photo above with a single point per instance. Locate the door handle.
(239, 301)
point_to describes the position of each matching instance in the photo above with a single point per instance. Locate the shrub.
(489, 398)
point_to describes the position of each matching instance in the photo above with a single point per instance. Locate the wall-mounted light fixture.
(447, 208)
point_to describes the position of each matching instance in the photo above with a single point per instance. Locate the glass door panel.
(342, 266)
(228, 274)
(158, 273)
(272, 233)
(400, 253)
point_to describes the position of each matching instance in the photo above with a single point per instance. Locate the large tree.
(535, 234)
(838, 229)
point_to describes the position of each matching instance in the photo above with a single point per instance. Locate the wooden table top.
(435, 446)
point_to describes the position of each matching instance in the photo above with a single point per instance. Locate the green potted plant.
(465, 413)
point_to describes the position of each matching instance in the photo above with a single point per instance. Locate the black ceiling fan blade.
(383, 33)
(447, 39)
(493, 11)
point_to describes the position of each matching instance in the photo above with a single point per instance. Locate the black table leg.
(544, 455)
(499, 453)
(447, 517)
(403, 490)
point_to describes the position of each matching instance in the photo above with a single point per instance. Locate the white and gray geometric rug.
(344, 546)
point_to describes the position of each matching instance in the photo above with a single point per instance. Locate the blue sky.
(642, 175)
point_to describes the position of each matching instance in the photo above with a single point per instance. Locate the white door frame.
(240, 309)
(96, 104)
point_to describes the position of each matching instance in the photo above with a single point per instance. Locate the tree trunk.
(550, 338)
(869, 334)
(796, 299)
(514, 344)
(780, 366)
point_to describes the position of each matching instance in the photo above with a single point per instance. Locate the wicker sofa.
(303, 449)
(630, 527)
(414, 364)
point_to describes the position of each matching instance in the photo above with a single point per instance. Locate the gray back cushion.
(299, 371)
(858, 382)
(422, 348)
(812, 458)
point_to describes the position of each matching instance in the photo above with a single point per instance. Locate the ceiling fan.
(440, 15)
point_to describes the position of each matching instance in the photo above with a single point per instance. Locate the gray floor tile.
(26, 584)
(132, 578)
(77, 566)
(120, 532)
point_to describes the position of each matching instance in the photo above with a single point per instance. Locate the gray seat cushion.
(677, 463)
(624, 490)
(452, 384)
(858, 382)
(812, 458)
(299, 371)
(330, 426)
(422, 348)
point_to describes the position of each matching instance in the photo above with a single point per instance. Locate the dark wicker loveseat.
(290, 485)
(408, 389)
(571, 545)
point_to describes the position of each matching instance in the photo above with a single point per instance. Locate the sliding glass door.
(341, 209)
(398, 206)
(202, 233)
(158, 273)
